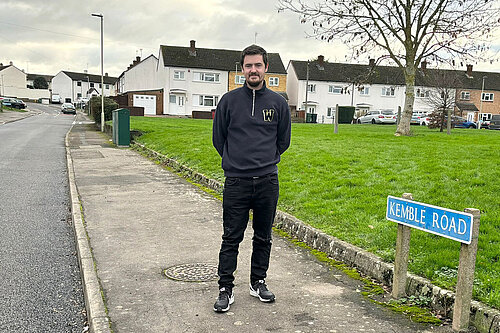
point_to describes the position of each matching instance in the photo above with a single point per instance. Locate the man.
(251, 130)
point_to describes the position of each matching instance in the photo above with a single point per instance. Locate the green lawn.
(339, 184)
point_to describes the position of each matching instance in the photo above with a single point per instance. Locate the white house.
(73, 86)
(12, 80)
(187, 79)
(140, 75)
(14, 83)
(366, 87)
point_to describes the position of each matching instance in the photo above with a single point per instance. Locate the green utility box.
(346, 114)
(121, 127)
(311, 117)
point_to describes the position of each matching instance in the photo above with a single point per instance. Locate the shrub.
(95, 105)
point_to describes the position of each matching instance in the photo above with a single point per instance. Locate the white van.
(56, 99)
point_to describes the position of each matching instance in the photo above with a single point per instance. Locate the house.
(196, 78)
(475, 94)
(72, 86)
(366, 87)
(371, 87)
(191, 80)
(138, 86)
(12, 80)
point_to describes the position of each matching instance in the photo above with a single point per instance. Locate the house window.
(91, 84)
(330, 112)
(100, 85)
(207, 100)
(79, 84)
(206, 77)
(422, 93)
(239, 79)
(388, 91)
(173, 99)
(335, 89)
(181, 100)
(78, 95)
(365, 91)
(465, 95)
(178, 75)
(274, 81)
(311, 88)
(107, 86)
(487, 97)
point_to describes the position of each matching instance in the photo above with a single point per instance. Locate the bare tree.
(441, 97)
(406, 31)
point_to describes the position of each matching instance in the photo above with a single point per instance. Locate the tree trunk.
(404, 124)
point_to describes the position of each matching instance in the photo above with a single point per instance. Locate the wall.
(492, 107)
(188, 88)
(62, 85)
(12, 81)
(140, 77)
(280, 88)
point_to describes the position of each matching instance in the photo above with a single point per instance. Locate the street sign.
(440, 221)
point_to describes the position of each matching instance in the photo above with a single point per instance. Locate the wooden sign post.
(459, 226)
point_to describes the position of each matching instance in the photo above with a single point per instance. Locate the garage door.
(148, 102)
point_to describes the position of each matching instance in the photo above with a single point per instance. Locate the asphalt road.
(40, 285)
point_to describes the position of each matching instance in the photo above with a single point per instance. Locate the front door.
(177, 104)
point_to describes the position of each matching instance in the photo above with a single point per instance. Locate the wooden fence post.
(336, 120)
(401, 259)
(465, 278)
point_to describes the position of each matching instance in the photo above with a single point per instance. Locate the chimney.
(321, 60)
(469, 70)
(423, 65)
(192, 48)
(11, 63)
(372, 62)
(1, 64)
(105, 74)
(85, 71)
(138, 59)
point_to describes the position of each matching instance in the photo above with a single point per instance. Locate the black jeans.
(240, 195)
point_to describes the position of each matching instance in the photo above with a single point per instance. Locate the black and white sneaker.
(259, 289)
(225, 299)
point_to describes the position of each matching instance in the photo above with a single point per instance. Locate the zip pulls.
(253, 102)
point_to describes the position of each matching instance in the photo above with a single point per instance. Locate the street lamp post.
(480, 105)
(102, 72)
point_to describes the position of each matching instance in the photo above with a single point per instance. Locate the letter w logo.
(268, 114)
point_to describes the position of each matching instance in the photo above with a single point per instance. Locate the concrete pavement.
(138, 219)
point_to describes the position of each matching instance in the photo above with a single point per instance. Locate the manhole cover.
(198, 272)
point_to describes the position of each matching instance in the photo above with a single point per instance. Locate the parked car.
(459, 122)
(13, 103)
(495, 122)
(68, 108)
(415, 119)
(485, 124)
(378, 117)
(424, 120)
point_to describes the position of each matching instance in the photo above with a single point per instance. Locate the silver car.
(378, 117)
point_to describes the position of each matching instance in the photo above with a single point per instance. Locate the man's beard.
(254, 83)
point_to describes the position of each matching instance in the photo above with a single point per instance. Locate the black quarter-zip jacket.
(251, 130)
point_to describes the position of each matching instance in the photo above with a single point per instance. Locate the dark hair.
(252, 50)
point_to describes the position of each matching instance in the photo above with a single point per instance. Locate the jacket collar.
(260, 91)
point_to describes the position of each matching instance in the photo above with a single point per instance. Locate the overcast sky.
(45, 37)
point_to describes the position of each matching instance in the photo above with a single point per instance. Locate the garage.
(148, 102)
